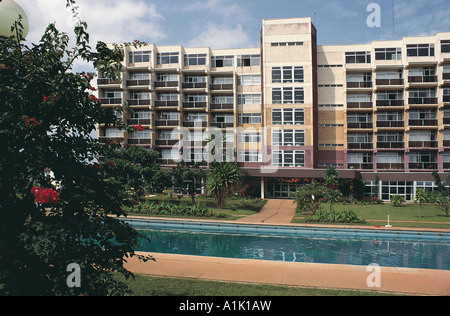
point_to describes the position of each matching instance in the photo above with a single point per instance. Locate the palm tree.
(224, 179)
(421, 196)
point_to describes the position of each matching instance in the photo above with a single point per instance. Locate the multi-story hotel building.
(290, 108)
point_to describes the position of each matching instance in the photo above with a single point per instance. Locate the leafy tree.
(49, 220)
(397, 200)
(189, 178)
(309, 197)
(223, 181)
(421, 197)
(443, 203)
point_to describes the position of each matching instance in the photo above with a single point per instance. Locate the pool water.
(413, 250)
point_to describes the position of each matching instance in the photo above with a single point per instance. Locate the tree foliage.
(223, 181)
(47, 115)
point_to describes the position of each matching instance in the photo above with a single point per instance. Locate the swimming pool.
(296, 244)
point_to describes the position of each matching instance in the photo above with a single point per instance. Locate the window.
(194, 78)
(250, 118)
(288, 137)
(140, 57)
(139, 95)
(253, 138)
(422, 93)
(168, 135)
(249, 156)
(168, 116)
(167, 77)
(389, 116)
(287, 158)
(288, 117)
(390, 74)
(249, 80)
(249, 99)
(389, 158)
(445, 46)
(363, 77)
(389, 188)
(422, 136)
(191, 117)
(195, 59)
(388, 53)
(288, 95)
(287, 74)
(420, 50)
(222, 61)
(168, 96)
(113, 133)
(139, 76)
(195, 97)
(359, 158)
(248, 60)
(222, 80)
(170, 154)
(223, 118)
(276, 44)
(113, 94)
(358, 58)
(222, 99)
(168, 58)
(145, 134)
(360, 138)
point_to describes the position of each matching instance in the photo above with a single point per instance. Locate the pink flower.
(139, 127)
(44, 98)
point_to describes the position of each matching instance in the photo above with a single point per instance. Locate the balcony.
(167, 142)
(391, 166)
(446, 165)
(166, 84)
(111, 101)
(423, 122)
(164, 103)
(359, 105)
(360, 146)
(107, 81)
(197, 123)
(446, 120)
(167, 123)
(390, 103)
(390, 82)
(365, 125)
(446, 143)
(194, 85)
(106, 140)
(423, 165)
(139, 102)
(222, 87)
(446, 76)
(390, 124)
(222, 106)
(424, 144)
(136, 121)
(359, 85)
(424, 101)
(446, 98)
(360, 166)
(195, 105)
(222, 125)
(422, 79)
(139, 141)
(390, 145)
(138, 83)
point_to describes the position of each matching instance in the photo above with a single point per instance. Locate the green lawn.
(404, 216)
(157, 286)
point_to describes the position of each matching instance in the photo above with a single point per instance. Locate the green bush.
(163, 208)
(397, 200)
(326, 216)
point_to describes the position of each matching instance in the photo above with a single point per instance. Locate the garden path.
(274, 212)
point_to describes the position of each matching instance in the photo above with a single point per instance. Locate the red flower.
(97, 166)
(139, 127)
(44, 98)
(45, 196)
(30, 121)
(112, 164)
(94, 98)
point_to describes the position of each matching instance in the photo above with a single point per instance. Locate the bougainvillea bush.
(55, 196)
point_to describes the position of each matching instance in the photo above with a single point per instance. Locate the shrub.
(344, 216)
(163, 208)
(397, 200)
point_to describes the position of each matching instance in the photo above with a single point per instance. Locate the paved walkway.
(274, 212)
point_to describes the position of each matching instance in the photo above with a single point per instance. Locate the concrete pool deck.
(393, 280)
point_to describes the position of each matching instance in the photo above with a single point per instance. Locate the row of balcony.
(164, 84)
(170, 104)
(397, 145)
(430, 166)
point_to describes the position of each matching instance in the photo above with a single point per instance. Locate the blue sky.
(237, 23)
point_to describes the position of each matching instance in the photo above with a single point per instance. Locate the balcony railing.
(167, 162)
(166, 142)
(362, 84)
(446, 165)
(163, 123)
(359, 105)
(422, 101)
(390, 124)
(222, 125)
(223, 86)
(106, 81)
(195, 123)
(389, 82)
(194, 85)
(360, 166)
(423, 122)
(161, 103)
(194, 105)
(360, 125)
(390, 145)
(105, 140)
(424, 144)
(361, 146)
(423, 165)
(111, 100)
(166, 84)
(222, 106)
(446, 98)
(390, 102)
(422, 79)
(135, 121)
(134, 83)
(139, 102)
(446, 143)
(446, 120)
(390, 166)
(139, 141)
(446, 76)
